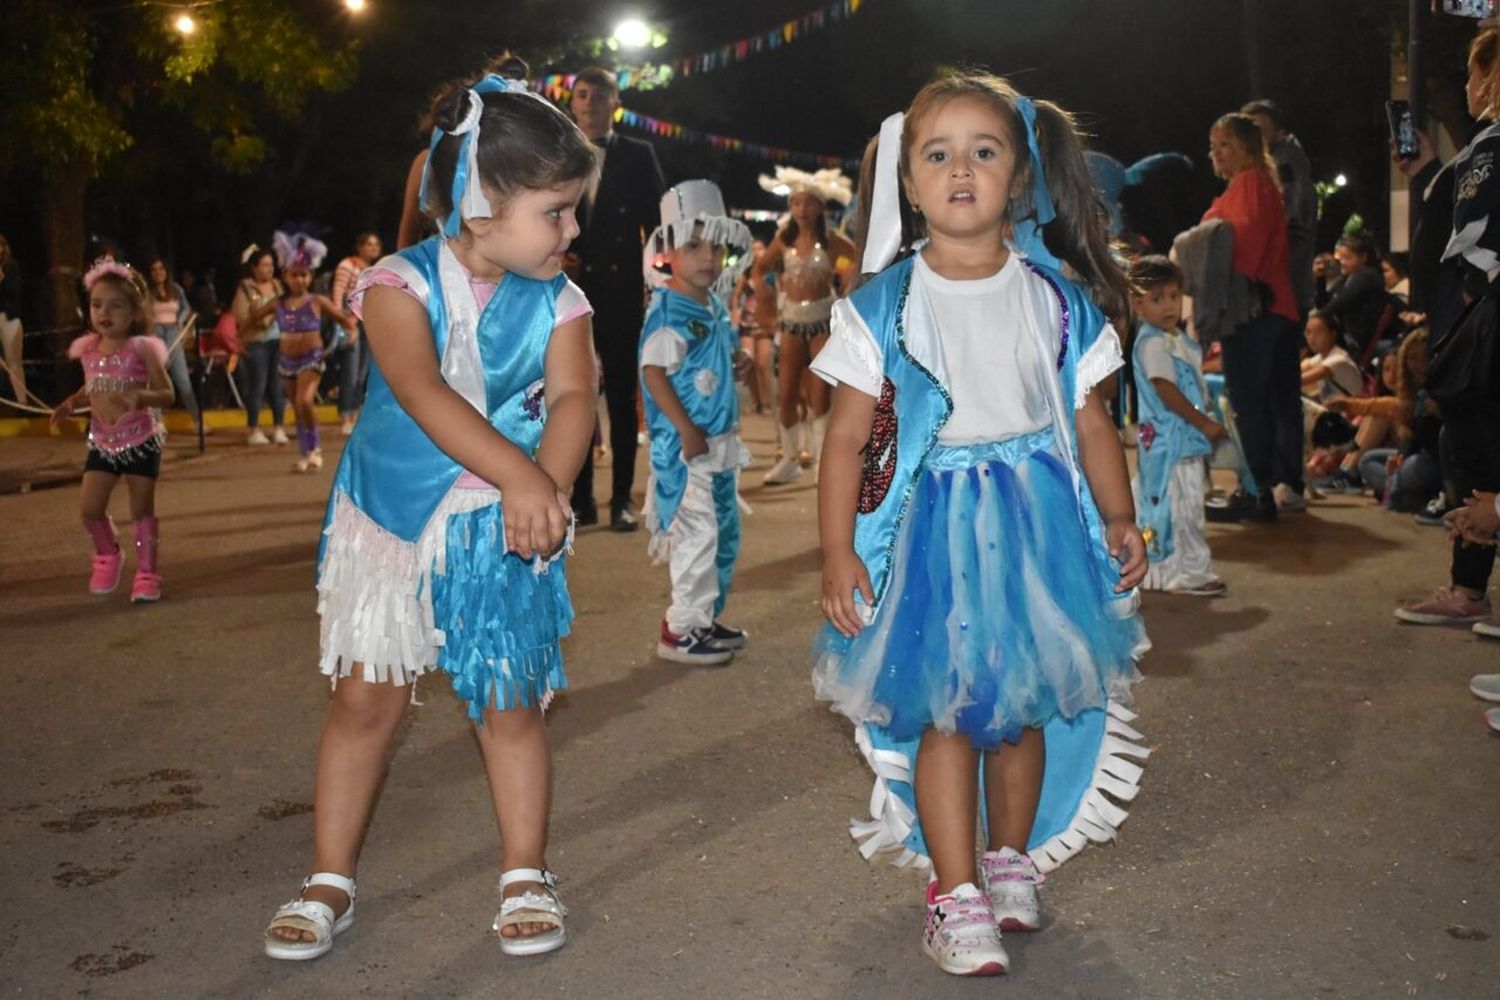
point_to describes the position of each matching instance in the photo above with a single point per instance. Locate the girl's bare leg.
(93, 498)
(357, 735)
(1012, 789)
(142, 496)
(519, 765)
(819, 393)
(947, 787)
(793, 367)
(307, 399)
(763, 348)
(752, 377)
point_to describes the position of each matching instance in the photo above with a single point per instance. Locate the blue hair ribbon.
(467, 199)
(1026, 234)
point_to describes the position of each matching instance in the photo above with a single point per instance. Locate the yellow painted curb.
(178, 422)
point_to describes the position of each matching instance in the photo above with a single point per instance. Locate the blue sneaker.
(728, 638)
(695, 646)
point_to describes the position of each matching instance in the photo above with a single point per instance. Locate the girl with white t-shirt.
(980, 550)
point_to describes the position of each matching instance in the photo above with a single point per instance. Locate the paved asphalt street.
(1319, 817)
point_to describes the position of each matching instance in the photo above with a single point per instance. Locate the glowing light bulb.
(633, 34)
(355, 6)
(185, 24)
(1340, 181)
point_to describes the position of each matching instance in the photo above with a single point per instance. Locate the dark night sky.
(1145, 76)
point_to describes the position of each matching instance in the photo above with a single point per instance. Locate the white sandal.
(309, 915)
(531, 908)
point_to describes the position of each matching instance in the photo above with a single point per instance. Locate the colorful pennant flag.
(729, 144)
(558, 86)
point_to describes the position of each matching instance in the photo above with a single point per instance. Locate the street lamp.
(1341, 181)
(633, 34)
(355, 6)
(185, 24)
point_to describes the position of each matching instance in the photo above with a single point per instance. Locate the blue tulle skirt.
(502, 619)
(1000, 612)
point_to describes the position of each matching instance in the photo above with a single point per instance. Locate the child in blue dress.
(980, 551)
(1174, 434)
(688, 361)
(482, 389)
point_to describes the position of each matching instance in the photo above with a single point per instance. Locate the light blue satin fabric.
(711, 343)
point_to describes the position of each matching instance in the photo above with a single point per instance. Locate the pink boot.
(107, 558)
(147, 584)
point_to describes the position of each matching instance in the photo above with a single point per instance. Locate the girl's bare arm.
(572, 392)
(849, 423)
(1104, 467)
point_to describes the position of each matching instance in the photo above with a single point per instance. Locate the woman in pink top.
(1261, 359)
(125, 384)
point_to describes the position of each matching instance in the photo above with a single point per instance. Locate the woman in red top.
(1261, 364)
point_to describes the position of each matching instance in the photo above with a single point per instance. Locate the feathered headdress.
(298, 251)
(829, 184)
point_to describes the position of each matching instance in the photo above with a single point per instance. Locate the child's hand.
(63, 412)
(694, 442)
(1214, 431)
(535, 524)
(1127, 545)
(564, 504)
(843, 574)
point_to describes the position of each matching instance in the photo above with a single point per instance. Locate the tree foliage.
(82, 73)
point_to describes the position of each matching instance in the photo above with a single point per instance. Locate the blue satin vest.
(390, 469)
(914, 406)
(1164, 439)
(704, 384)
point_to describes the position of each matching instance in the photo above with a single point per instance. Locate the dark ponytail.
(1079, 234)
(525, 143)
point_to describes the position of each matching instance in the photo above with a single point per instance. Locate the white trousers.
(704, 539)
(1190, 563)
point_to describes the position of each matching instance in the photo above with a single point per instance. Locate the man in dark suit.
(620, 207)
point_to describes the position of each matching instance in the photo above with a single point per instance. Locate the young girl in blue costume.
(449, 507)
(688, 360)
(980, 551)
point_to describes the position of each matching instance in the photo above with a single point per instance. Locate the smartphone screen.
(1470, 8)
(1403, 129)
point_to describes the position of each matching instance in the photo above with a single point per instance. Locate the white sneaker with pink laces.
(960, 933)
(1011, 879)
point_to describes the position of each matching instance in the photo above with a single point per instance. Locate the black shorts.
(143, 461)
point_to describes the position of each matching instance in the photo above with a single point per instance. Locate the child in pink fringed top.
(125, 382)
